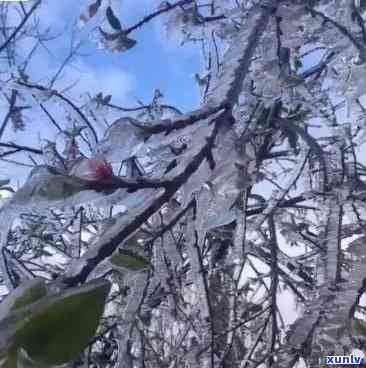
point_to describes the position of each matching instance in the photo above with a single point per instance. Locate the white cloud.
(107, 79)
(57, 14)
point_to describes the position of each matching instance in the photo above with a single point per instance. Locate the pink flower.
(93, 169)
(101, 169)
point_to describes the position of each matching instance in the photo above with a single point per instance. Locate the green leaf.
(129, 260)
(9, 359)
(55, 329)
(57, 332)
(25, 294)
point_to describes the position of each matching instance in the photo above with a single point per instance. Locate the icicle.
(6, 221)
(161, 269)
(128, 314)
(332, 240)
(173, 208)
(278, 195)
(196, 272)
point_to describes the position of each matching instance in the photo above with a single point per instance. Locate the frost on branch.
(227, 226)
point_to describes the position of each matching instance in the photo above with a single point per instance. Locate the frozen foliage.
(233, 234)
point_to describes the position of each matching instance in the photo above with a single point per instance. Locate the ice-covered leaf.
(90, 11)
(46, 183)
(136, 240)
(107, 99)
(221, 218)
(357, 248)
(188, 16)
(358, 328)
(113, 20)
(129, 260)
(17, 119)
(116, 42)
(121, 141)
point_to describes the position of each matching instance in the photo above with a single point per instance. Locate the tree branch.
(155, 14)
(108, 244)
(20, 26)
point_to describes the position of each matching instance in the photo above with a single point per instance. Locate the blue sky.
(156, 61)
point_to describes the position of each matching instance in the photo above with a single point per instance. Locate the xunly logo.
(341, 359)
